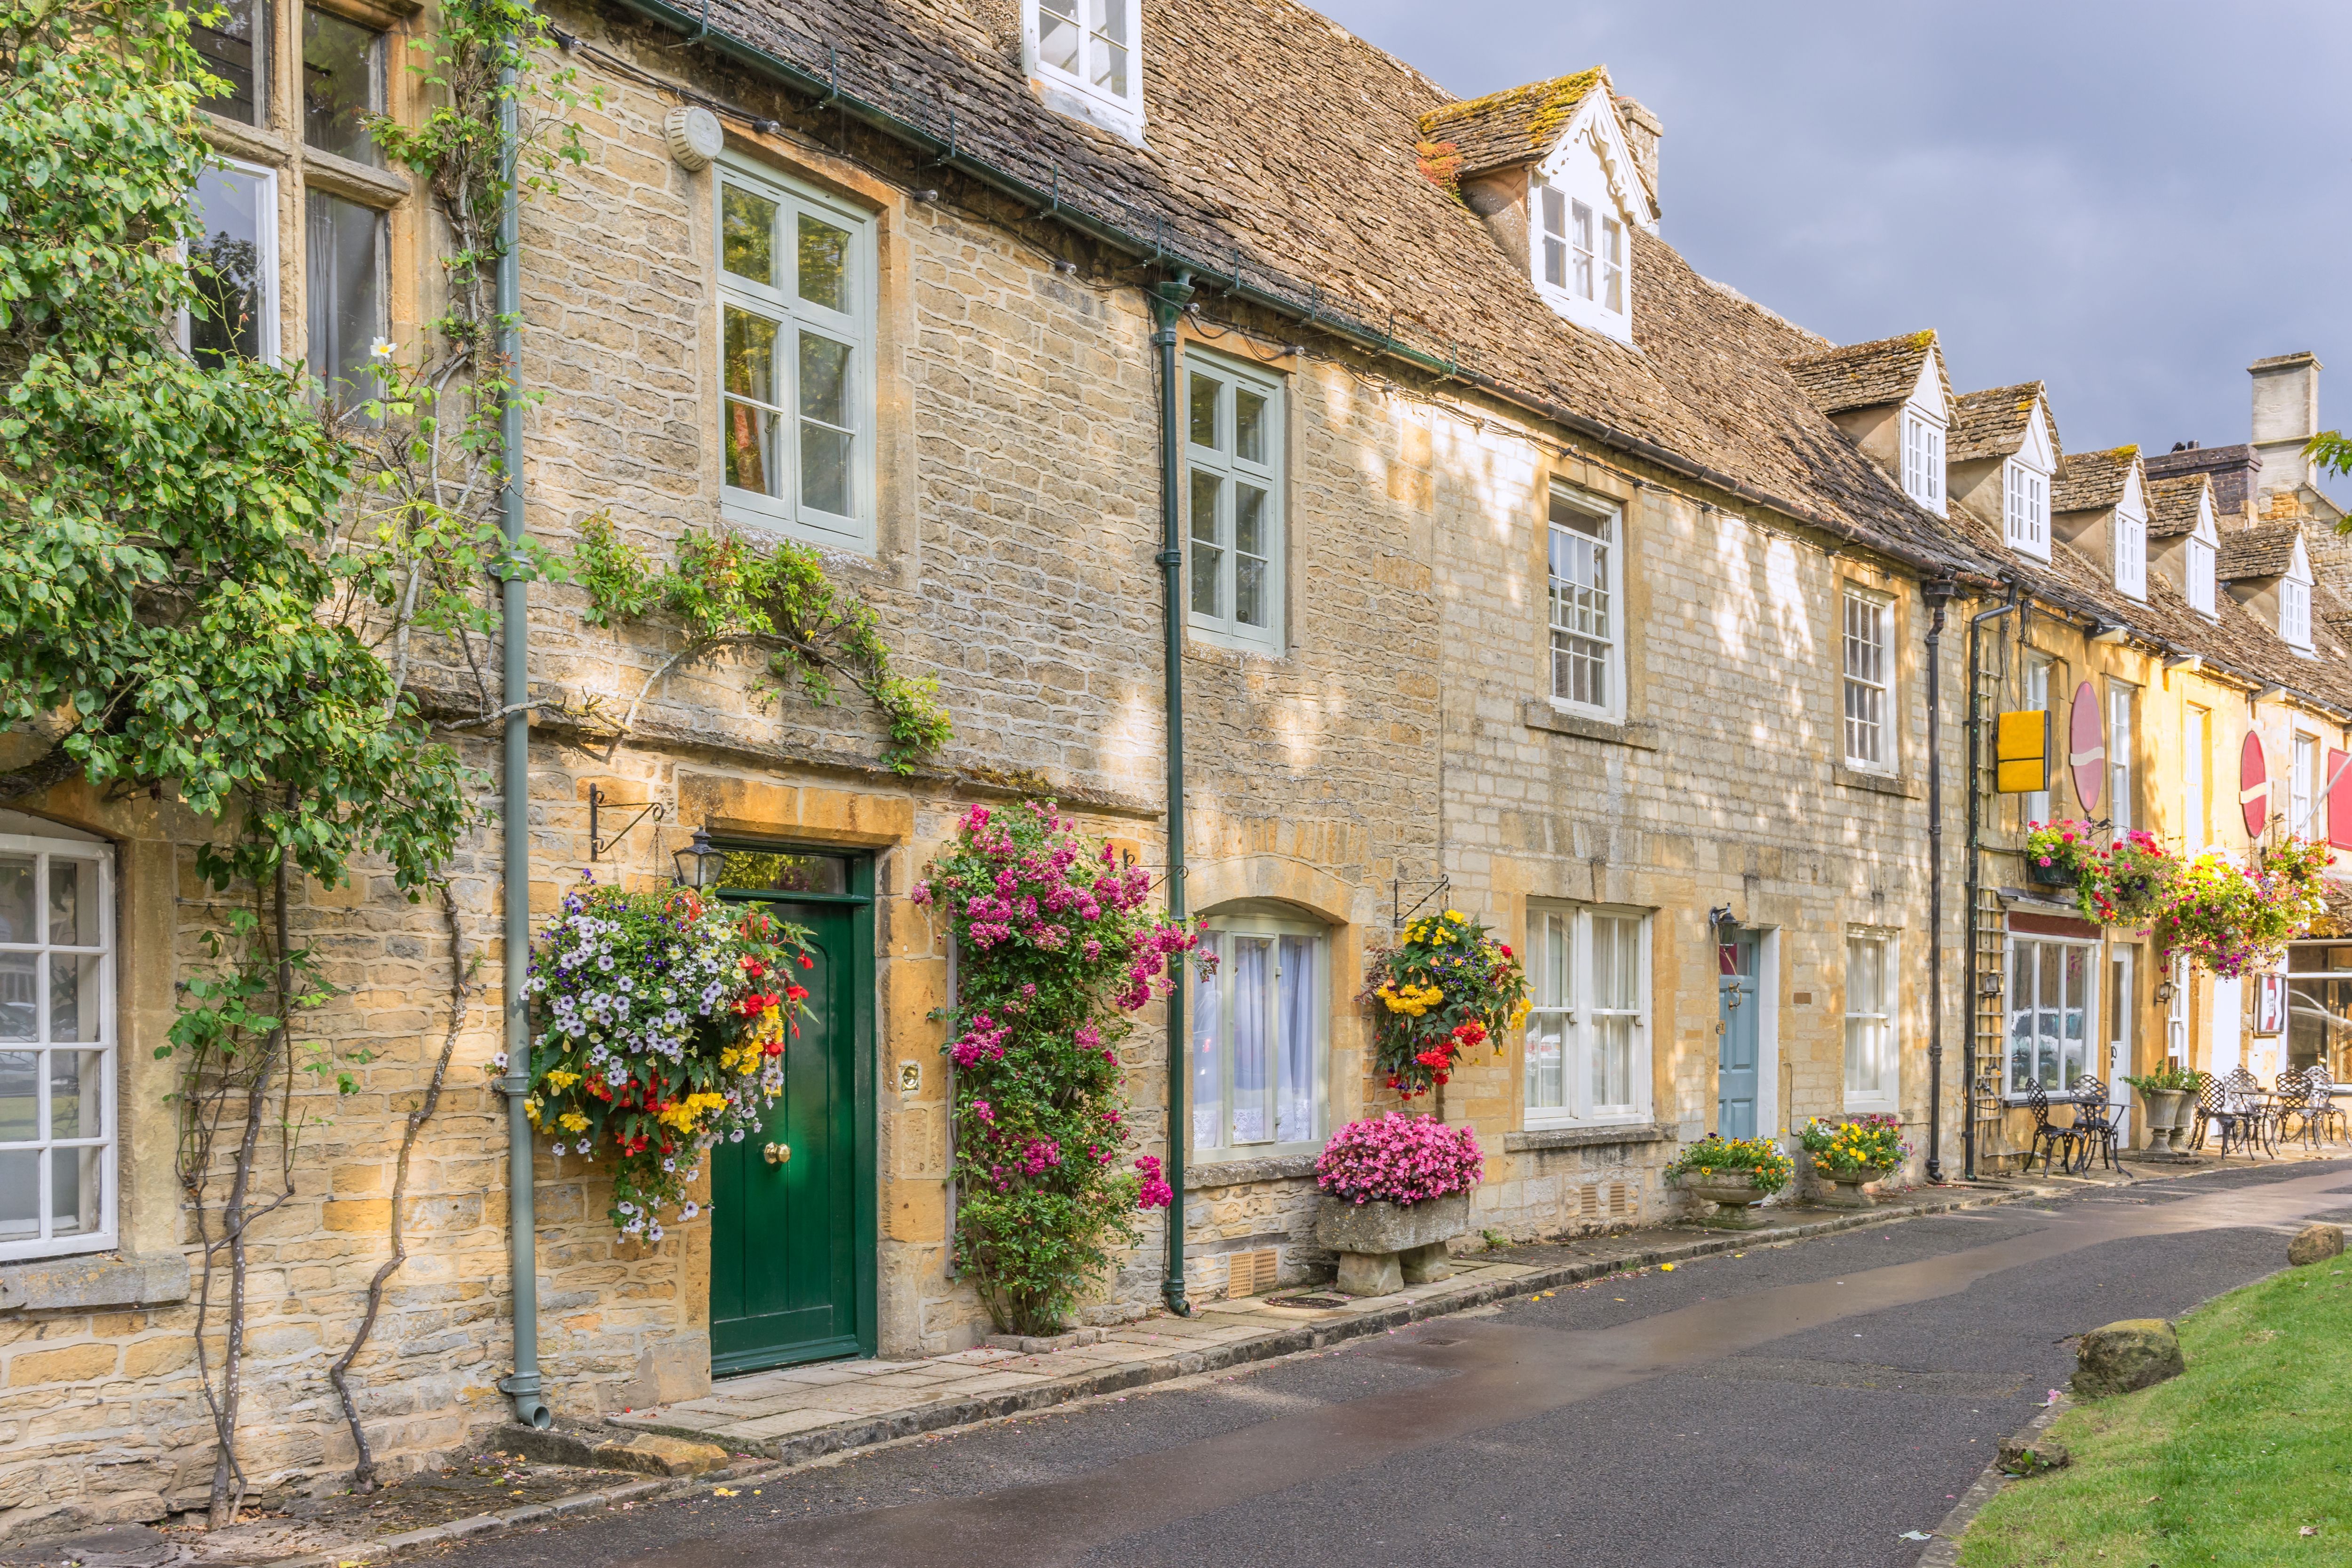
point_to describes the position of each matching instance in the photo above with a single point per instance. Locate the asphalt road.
(1795, 1405)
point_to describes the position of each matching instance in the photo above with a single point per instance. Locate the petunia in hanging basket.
(1448, 988)
(2235, 922)
(659, 1023)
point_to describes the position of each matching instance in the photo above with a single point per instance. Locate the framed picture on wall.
(2270, 1004)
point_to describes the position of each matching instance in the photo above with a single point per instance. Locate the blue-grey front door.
(1736, 1011)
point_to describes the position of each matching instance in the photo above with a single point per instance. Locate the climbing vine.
(728, 589)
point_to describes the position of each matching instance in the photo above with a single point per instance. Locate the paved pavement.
(1792, 1406)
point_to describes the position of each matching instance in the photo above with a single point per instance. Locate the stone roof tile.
(2257, 550)
(2093, 481)
(1866, 376)
(1991, 423)
(1515, 126)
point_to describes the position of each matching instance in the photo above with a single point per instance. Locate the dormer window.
(2294, 613)
(1923, 460)
(2201, 574)
(2026, 508)
(1581, 257)
(2131, 554)
(1081, 56)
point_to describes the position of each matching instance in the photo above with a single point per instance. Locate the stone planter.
(2162, 1110)
(1846, 1189)
(1732, 1198)
(1383, 1247)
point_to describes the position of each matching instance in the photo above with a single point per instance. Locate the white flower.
(655, 1234)
(500, 1061)
(669, 1164)
(689, 1210)
(381, 350)
(584, 1145)
(736, 1136)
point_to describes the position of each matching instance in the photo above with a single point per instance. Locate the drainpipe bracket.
(513, 1083)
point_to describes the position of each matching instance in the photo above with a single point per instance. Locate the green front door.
(786, 1243)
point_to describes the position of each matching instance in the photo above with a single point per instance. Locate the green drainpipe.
(522, 1385)
(1168, 302)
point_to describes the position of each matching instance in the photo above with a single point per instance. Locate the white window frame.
(1574, 1023)
(2012, 993)
(793, 316)
(1233, 472)
(1873, 1026)
(1923, 459)
(1866, 645)
(1573, 607)
(2306, 756)
(2025, 506)
(265, 247)
(2294, 613)
(2176, 1013)
(2197, 571)
(1222, 987)
(2196, 768)
(1070, 92)
(2131, 554)
(2038, 665)
(100, 856)
(2123, 703)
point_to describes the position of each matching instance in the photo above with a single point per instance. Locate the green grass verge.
(2226, 1464)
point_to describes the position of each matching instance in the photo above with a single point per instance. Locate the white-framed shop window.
(1087, 56)
(233, 259)
(796, 349)
(2051, 986)
(1586, 604)
(1260, 1022)
(58, 1165)
(1873, 1068)
(1588, 1036)
(1867, 641)
(1232, 502)
(2025, 506)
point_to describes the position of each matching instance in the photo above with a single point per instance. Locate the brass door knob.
(778, 1153)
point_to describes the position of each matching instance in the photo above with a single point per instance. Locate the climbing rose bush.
(1399, 1158)
(659, 1026)
(1053, 950)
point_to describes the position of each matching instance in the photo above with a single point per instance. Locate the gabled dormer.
(1892, 397)
(1554, 173)
(2267, 569)
(1083, 59)
(2004, 454)
(2182, 536)
(2099, 505)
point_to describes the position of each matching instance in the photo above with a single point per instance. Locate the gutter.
(1157, 251)
(1936, 592)
(1168, 304)
(1976, 876)
(522, 1385)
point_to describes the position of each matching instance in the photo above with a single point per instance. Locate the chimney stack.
(2286, 415)
(1643, 132)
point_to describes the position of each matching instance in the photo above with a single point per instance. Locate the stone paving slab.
(805, 1412)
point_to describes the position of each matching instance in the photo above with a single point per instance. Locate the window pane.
(20, 1195)
(1616, 963)
(1207, 561)
(224, 264)
(1110, 71)
(342, 69)
(73, 996)
(824, 410)
(20, 996)
(1252, 960)
(1612, 1061)
(1249, 425)
(1294, 1010)
(1108, 17)
(16, 885)
(1203, 432)
(779, 872)
(74, 1191)
(233, 40)
(1208, 1066)
(77, 1094)
(1057, 34)
(1250, 606)
(346, 285)
(824, 264)
(747, 234)
(73, 903)
(750, 432)
(19, 1109)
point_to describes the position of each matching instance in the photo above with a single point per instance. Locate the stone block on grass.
(2315, 1244)
(2137, 1352)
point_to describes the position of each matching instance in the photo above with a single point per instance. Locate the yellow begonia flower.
(573, 1122)
(560, 1079)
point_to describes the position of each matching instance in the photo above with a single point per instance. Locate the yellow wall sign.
(2020, 753)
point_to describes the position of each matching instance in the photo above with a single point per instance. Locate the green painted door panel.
(784, 1263)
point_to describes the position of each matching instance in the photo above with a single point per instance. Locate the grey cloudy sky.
(2129, 201)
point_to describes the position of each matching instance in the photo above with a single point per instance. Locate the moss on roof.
(1513, 126)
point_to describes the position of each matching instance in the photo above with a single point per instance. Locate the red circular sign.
(2086, 748)
(2253, 785)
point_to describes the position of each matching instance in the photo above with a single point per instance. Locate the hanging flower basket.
(2235, 922)
(1447, 988)
(2129, 882)
(659, 1023)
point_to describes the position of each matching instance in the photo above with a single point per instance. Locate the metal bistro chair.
(2215, 1108)
(2094, 1124)
(2297, 1100)
(2244, 1094)
(2321, 1107)
(2047, 1135)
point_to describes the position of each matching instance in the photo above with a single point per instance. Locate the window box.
(2043, 876)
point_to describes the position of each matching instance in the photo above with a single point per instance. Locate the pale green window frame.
(1235, 542)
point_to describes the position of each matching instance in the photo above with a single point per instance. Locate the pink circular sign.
(2086, 748)
(2253, 785)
